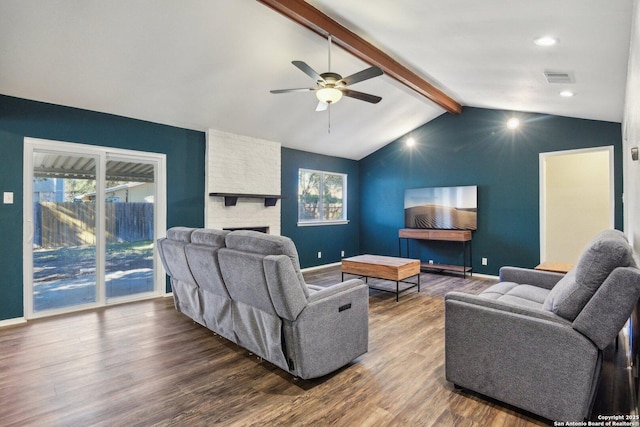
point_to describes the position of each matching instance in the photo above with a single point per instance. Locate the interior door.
(576, 201)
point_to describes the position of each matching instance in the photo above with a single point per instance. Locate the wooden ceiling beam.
(311, 18)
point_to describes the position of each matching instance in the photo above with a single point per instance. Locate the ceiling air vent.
(558, 77)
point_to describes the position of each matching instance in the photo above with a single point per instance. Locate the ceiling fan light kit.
(331, 87)
(329, 95)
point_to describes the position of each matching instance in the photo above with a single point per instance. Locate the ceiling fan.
(330, 87)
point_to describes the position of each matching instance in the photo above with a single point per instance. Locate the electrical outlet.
(7, 198)
(485, 261)
(430, 261)
(319, 254)
(342, 253)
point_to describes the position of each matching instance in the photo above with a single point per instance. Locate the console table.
(554, 267)
(462, 236)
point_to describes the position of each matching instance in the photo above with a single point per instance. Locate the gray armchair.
(535, 339)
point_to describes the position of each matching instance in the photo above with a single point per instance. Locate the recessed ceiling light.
(566, 94)
(410, 142)
(513, 123)
(546, 41)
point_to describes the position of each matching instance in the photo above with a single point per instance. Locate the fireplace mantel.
(230, 199)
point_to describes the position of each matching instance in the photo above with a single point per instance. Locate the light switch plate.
(8, 198)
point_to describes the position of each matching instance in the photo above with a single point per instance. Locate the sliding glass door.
(129, 224)
(91, 222)
(64, 230)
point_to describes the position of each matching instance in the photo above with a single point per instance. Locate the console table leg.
(471, 256)
(397, 291)
(464, 260)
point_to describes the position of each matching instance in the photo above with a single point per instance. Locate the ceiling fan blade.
(302, 89)
(321, 106)
(308, 70)
(361, 96)
(362, 75)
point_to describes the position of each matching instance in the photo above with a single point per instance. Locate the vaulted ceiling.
(203, 64)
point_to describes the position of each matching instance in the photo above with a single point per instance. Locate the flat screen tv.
(444, 208)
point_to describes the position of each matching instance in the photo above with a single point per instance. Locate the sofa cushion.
(180, 234)
(209, 237)
(286, 293)
(175, 260)
(607, 251)
(204, 265)
(244, 276)
(267, 244)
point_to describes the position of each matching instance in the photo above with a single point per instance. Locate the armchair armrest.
(505, 307)
(527, 276)
(331, 331)
(529, 360)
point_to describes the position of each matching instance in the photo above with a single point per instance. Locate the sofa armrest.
(527, 276)
(538, 364)
(333, 289)
(331, 331)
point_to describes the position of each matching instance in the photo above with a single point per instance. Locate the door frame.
(101, 153)
(542, 180)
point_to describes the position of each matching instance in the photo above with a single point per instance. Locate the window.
(322, 197)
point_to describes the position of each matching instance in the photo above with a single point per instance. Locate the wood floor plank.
(144, 364)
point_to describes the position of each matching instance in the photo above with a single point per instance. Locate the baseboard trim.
(12, 322)
(485, 276)
(318, 267)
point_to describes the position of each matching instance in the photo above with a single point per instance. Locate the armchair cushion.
(514, 293)
(602, 255)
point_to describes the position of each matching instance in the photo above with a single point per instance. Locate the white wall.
(241, 164)
(631, 137)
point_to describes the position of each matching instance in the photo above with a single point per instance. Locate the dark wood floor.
(146, 364)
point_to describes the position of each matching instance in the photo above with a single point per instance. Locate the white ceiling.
(203, 64)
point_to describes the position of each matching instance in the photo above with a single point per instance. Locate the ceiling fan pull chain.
(329, 118)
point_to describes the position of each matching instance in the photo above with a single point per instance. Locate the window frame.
(320, 221)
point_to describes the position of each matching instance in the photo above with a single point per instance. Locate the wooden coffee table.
(383, 267)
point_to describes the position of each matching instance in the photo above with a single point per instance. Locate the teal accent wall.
(328, 239)
(19, 118)
(473, 148)
(476, 148)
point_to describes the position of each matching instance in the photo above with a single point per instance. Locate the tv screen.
(447, 208)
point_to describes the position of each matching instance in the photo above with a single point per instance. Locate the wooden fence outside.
(333, 211)
(73, 224)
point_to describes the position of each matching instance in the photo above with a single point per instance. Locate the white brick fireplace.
(242, 165)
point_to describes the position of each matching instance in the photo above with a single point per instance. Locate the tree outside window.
(321, 196)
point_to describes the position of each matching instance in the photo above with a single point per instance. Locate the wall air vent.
(558, 77)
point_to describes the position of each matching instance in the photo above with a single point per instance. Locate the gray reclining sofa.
(247, 287)
(535, 339)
